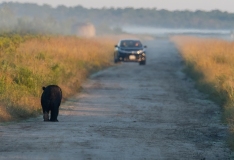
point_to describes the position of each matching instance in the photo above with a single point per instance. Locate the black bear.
(50, 102)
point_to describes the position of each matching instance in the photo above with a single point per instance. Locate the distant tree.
(60, 20)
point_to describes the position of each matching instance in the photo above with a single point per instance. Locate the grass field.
(210, 62)
(29, 62)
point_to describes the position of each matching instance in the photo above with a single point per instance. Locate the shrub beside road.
(29, 62)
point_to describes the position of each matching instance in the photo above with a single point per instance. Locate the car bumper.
(132, 57)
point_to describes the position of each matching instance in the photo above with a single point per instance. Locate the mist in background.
(29, 18)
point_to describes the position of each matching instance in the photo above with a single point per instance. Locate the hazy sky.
(207, 5)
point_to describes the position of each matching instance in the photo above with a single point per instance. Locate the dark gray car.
(129, 50)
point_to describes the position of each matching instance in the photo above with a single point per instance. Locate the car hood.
(131, 49)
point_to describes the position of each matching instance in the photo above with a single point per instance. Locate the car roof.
(129, 40)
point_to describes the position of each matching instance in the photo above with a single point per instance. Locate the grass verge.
(29, 62)
(210, 62)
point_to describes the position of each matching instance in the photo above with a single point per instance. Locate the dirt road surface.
(127, 112)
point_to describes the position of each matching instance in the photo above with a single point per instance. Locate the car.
(130, 50)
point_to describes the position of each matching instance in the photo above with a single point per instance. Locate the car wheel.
(115, 60)
(142, 62)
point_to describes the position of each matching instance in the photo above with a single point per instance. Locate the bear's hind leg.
(54, 114)
(46, 116)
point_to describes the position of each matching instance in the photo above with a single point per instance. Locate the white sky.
(206, 5)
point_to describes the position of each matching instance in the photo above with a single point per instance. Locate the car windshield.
(130, 44)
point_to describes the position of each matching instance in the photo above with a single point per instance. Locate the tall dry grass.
(29, 62)
(211, 63)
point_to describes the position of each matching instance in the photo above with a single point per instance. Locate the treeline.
(32, 17)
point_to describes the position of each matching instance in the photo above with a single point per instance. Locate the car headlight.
(140, 51)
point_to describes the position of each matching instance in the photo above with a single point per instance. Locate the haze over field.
(155, 17)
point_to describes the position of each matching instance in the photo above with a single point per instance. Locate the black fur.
(50, 101)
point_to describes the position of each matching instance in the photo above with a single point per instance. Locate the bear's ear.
(43, 88)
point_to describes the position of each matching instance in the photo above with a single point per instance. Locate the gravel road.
(127, 112)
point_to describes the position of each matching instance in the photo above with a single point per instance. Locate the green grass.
(29, 62)
(210, 62)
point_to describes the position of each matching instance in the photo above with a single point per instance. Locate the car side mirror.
(145, 46)
(116, 46)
